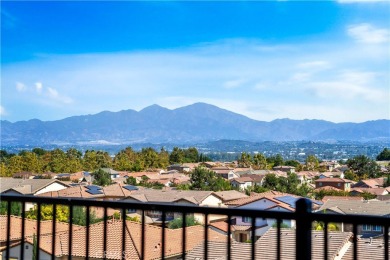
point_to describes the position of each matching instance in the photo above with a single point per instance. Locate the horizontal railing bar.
(353, 219)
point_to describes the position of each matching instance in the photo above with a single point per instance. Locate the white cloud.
(20, 87)
(54, 95)
(314, 64)
(2, 111)
(366, 33)
(38, 87)
(234, 83)
(351, 85)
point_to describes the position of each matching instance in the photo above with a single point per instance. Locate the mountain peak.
(153, 108)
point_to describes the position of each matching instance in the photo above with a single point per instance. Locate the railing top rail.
(349, 218)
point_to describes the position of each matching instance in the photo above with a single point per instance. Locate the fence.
(303, 217)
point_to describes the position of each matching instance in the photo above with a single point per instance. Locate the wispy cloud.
(8, 21)
(367, 33)
(256, 80)
(20, 87)
(234, 83)
(54, 95)
(2, 111)
(38, 87)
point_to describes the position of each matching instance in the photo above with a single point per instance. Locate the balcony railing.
(303, 218)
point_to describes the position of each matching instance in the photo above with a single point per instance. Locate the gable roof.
(266, 246)
(368, 249)
(26, 186)
(30, 227)
(378, 208)
(229, 195)
(333, 180)
(133, 235)
(170, 195)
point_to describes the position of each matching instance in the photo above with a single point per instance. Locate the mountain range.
(198, 122)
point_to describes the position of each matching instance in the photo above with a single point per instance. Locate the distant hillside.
(199, 122)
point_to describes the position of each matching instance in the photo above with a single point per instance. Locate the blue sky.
(284, 59)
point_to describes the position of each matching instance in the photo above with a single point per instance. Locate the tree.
(191, 155)
(363, 167)
(62, 212)
(205, 179)
(16, 208)
(80, 216)
(276, 160)
(320, 226)
(150, 158)
(259, 162)
(176, 156)
(58, 161)
(101, 178)
(245, 160)
(311, 163)
(270, 181)
(125, 160)
(294, 163)
(384, 155)
(131, 180)
(178, 222)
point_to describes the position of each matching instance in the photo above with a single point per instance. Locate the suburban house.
(339, 244)
(370, 183)
(335, 174)
(183, 197)
(241, 183)
(225, 172)
(374, 191)
(152, 242)
(230, 195)
(272, 201)
(341, 184)
(359, 207)
(33, 187)
(114, 174)
(247, 180)
(287, 169)
(179, 168)
(307, 176)
(329, 165)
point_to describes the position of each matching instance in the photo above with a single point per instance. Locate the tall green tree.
(312, 163)
(245, 160)
(176, 156)
(363, 167)
(101, 178)
(259, 162)
(205, 179)
(384, 155)
(276, 160)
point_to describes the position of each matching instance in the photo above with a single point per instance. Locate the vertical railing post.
(303, 230)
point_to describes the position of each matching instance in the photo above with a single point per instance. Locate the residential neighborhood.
(225, 185)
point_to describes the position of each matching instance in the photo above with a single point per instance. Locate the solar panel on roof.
(130, 187)
(290, 200)
(93, 187)
(94, 192)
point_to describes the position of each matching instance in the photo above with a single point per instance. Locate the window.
(339, 184)
(372, 228)
(376, 228)
(246, 219)
(131, 211)
(320, 183)
(366, 228)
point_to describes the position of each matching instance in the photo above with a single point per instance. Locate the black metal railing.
(303, 217)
